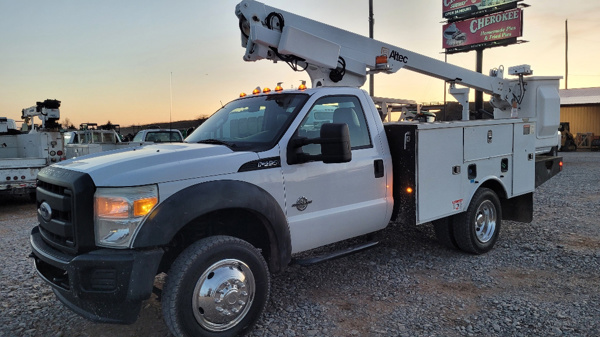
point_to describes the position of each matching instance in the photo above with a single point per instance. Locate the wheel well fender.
(518, 208)
(495, 185)
(200, 204)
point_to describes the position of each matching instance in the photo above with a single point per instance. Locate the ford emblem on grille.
(45, 211)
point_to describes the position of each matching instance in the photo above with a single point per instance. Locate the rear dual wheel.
(476, 230)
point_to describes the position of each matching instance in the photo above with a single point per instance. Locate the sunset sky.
(115, 60)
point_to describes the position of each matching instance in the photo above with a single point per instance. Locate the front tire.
(477, 229)
(217, 287)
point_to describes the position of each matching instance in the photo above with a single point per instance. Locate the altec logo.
(398, 57)
(394, 55)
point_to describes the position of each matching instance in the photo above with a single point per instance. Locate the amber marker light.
(302, 86)
(560, 165)
(382, 59)
(409, 190)
(243, 94)
(142, 207)
(266, 90)
(256, 91)
(279, 88)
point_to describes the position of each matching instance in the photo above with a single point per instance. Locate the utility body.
(24, 153)
(282, 172)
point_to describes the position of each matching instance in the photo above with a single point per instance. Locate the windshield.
(250, 124)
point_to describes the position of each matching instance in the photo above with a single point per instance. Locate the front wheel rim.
(485, 221)
(223, 295)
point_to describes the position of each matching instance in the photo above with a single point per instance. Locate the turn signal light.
(142, 207)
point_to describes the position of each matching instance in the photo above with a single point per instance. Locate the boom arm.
(335, 57)
(47, 111)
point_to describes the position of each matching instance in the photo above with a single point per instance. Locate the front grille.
(60, 240)
(59, 231)
(69, 194)
(51, 187)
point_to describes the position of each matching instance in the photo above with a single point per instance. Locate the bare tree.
(67, 123)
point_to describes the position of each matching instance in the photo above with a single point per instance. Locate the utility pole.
(371, 24)
(566, 54)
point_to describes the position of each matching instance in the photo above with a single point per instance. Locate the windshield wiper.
(217, 142)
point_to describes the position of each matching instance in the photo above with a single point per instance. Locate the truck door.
(326, 203)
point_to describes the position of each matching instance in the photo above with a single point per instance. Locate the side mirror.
(335, 146)
(335, 143)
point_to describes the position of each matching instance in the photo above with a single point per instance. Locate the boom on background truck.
(24, 153)
(282, 172)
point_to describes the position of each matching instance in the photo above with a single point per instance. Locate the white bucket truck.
(282, 172)
(24, 153)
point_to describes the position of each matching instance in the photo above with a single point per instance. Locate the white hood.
(158, 163)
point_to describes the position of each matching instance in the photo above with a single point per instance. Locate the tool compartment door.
(440, 174)
(524, 159)
(488, 141)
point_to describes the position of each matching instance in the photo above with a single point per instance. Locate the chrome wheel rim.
(485, 221)
(223, 295)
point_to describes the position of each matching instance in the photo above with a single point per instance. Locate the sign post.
(480, 24)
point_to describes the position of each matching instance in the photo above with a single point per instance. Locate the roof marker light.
(279, 88)
(266, 90)
(243, 94)
(302, 86)
(256, 91)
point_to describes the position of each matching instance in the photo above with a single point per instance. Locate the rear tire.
(217, 287)
(477, 229)
(444, 231)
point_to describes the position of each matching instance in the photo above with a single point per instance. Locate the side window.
(335, 109)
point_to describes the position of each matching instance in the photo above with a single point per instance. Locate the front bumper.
(104, 285)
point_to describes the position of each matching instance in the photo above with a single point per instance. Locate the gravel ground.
(541, 279)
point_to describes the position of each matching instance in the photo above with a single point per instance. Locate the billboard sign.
(482, 32)
(457, 9)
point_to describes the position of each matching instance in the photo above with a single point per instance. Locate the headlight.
(119, 211)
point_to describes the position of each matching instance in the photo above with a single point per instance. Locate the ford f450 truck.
(281, 172)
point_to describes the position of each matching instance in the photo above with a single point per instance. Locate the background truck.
(91, 139)
(159, 136)
(24, 154)
(281, 172)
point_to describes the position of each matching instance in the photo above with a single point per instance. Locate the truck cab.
(158, 136)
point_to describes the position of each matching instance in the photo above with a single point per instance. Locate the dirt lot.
(541, 279)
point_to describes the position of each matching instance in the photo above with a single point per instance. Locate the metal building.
(581, 108)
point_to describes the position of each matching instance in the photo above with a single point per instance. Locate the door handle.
(379, 168)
